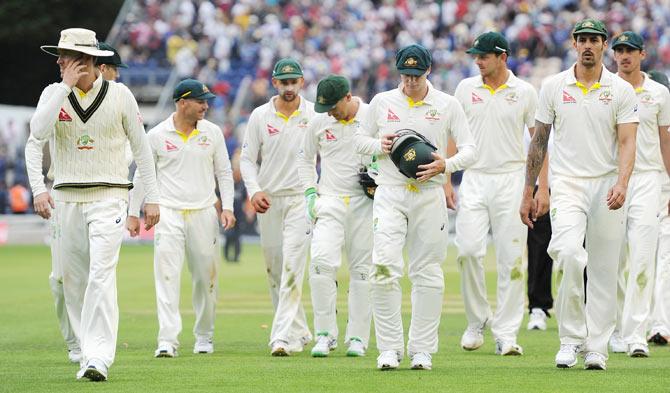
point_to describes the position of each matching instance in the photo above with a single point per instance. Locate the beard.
(288, 98)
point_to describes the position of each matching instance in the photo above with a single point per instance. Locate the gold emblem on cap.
(411, 62)
(476, 43)
(587, 24)
(205, 89)
(623, 38)
(321, 100)
(287, 68)
(409, 155)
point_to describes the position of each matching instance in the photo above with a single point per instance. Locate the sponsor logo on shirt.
(330, 137)
(476, 99)
(432, 115)
(606, 97)
(512, 97)
(303, 123)
(85, 142)
(169, 146)
(391, 116)
(272, 131)
(203, 141)
(647, 99)
(63, 116)
(568, 99)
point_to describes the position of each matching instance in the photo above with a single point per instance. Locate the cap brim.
(589, 31)
(321, 108)
(629, 44)
(53, 50)
(412, 71)
(205, 96)
(475, 51)
(288, 76)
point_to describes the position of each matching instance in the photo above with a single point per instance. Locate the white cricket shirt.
(653, 111)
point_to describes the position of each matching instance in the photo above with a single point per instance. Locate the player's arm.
(449, 192)
(534, 163)
(46, 113)
(248, 164)
(626, 140)
(459, 130)
(307, 156)
(223, 171)
(541, 198)
(366, 141)
(42, 201)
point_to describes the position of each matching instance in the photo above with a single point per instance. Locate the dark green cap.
(191, 88)
(629, 38)
(660, 77)
(413, 60)
(287, 69)
(490, 42)
(590, 26)
(114, 59)
(329, 91)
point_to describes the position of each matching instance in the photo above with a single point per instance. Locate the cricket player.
(498, 106)
(109, 66)
(190, 154)
(91, 188)
(275, 132)
(659, 321)
(342, 215)
(411, 212)
(44, 207)
(644, 191)
(594, 115)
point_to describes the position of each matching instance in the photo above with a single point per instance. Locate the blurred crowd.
(15, 194)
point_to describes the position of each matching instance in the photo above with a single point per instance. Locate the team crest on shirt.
(568, 99)
(272, 131)
(476, 99)
(432, 115)
(85, 142)
(303, 123)
(647, 99)
(63, 116)
(392, 117)
(203, 141)
(606, 97)
(512, 97)
(169, 146)
(330, 137)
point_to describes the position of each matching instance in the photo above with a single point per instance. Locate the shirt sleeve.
(136, 195)
(307, 156)
(531, 107)
(365, 137)
(249, 156)
(459, 129)
(664, 109)
(34, 155)
(223, 172)
(545, 107)
(139, 144)
(627, 110)
(46, 113)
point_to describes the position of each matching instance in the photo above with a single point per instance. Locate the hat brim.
(119, 65)
(475, 51)
(626, 43)
(287, 76)
(204, 96)
(412, 71)
(53, 50)
(321, 108)
(589, 31)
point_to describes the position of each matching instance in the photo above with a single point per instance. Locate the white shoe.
(508, 348)
(295, 346)
(566, 357)
(165, 350)
(638, 351)
(616, 344)
(74, 355)
(594, 361)
(280, 348)
(472, 338)
(388, 360)
(203, 345)
(356, 347)
(94, 370)
(537, 320)
(324, 344)
(421, 361)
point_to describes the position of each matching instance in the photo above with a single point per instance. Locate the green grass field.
(33, 356)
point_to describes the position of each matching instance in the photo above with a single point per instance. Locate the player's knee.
(567, 253)
(322, 270)
(470, 250)
(430, 276)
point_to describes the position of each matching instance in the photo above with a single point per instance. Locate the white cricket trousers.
(88, 249)
(192, 234)
(342, 222)
(285, 237)
(492, 201)
(56, 285)
(579, 210)
(638, 256)
(418, 220)
(660, 316)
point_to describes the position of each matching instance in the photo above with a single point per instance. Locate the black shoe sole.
(94, 375)
(658, 339)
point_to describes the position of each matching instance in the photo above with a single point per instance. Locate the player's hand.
(450, 195)
(133, 225)
(310, 204)
(228, 219)
(152, 215)
(43, 204)
(434, 168)
(668, 207)
(616, 197)
(541, 200)
(261, 202)
(387, 142)
(528, 209)
(73, 72)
